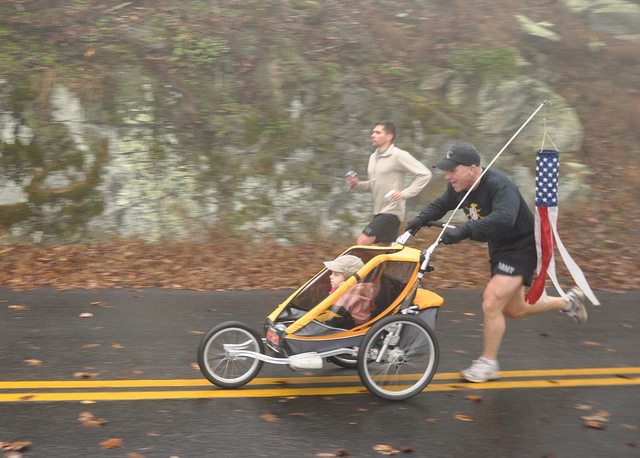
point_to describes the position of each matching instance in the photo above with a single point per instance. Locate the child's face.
(337, 279)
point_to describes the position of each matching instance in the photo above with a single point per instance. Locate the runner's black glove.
(414, 225)
(455, 235)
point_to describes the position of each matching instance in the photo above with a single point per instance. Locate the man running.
(386, 171)
(497, 214)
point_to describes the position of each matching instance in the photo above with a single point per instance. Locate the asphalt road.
(132, 362)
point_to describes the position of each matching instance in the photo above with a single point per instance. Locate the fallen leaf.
(87, 402)
(474, 398)
(596, 421)
(384, 449)
(462, 417)
(111, 443)
(85, 315)
(98, 303)
(591, 343)
(117, 345)
(91, 345)
(269, 417)
(134, 455)
(18, 307)
(628, 426)
(197, 332)
(33, 362)
(195, 366)
(583, 406)
(12, 455)
(87, 419)
(84, 374)
(14, 446)
(594, 424)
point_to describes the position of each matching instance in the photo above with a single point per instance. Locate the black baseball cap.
(459, 154)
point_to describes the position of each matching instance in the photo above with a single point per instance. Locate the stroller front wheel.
(398, 357)
(219, 364)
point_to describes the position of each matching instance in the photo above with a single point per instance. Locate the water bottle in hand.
(350, 173)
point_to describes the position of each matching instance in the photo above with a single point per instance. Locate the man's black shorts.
(384, 227)
(517, 259)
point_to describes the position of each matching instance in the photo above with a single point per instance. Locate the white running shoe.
(482, 370)
(575, 306)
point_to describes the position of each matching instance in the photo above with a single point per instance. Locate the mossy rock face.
(165, 121)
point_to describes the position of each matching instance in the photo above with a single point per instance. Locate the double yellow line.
(131, 390)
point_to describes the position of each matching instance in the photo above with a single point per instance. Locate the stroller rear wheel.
(220, 366)
(398, 357)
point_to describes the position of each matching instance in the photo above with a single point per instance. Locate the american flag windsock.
(546, 232)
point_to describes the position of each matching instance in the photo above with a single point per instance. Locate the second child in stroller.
(357, 304)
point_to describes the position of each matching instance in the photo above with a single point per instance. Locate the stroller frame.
(395, 351)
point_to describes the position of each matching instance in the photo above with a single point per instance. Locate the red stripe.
(546, 245)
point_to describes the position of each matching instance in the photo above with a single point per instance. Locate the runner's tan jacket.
(387, 173)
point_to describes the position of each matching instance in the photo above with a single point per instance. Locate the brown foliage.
(227, 264)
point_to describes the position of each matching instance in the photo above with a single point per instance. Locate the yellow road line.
(296, 380)
(317, 391)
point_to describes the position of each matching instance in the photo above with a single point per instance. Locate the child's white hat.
(346, 264)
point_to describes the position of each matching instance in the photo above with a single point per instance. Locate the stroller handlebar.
(402, 239)
(426, 254)
(439, 224)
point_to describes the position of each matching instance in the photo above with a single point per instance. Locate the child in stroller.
(357, 304)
